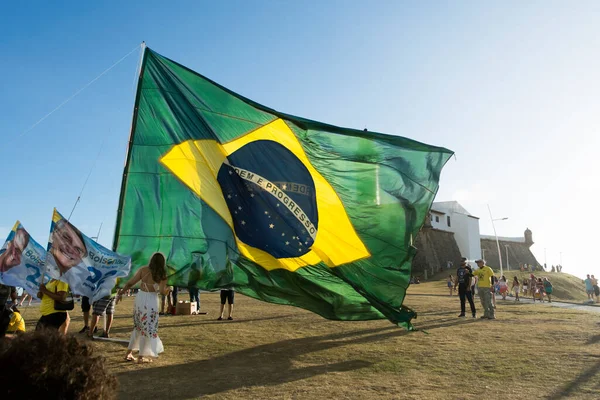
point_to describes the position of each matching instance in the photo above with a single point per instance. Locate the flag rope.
(77, 92)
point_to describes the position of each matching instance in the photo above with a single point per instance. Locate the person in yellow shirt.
(17, 323)
(52, 291)
(484, 286)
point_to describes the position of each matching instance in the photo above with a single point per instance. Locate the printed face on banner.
(90, 269)
(68, 246)
(21, 260)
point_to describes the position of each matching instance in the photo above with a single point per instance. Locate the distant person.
(548, 289)
(503, 287)
(463, 282)
(486, 290)
(539, 289)
(596, 288)
(515, 288)
(144, 337)
(25, 296)
(495, 289)
(525, 287)
(589, 288)
(532, 285)
(48, 365)
(450, 283)
(227, 296)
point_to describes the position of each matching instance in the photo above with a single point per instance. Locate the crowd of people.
(152, 293)
(483, 282)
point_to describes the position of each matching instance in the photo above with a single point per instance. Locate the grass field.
(280, 352)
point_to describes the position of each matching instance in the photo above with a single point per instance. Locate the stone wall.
(434, 249)
(518, 253)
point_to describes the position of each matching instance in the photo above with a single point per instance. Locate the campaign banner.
(89, 268)
(22, 261)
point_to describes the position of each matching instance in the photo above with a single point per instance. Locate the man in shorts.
(104, 306)
(226, 296)
(589, 288)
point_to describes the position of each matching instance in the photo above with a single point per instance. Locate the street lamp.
(496, 235)
(507, 263)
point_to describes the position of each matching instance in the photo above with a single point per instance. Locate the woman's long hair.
(158, 268)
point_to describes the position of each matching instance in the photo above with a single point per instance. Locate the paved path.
(570, 306)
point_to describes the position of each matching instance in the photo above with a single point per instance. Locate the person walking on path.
(589, 289)
(463, 281)
(548, 289)
(596, 288)
(449, 283)
(486, 290)
(515, 288)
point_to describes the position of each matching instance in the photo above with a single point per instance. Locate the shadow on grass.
(594, 339)
(200, 321)
(592, 373)
(265, 365)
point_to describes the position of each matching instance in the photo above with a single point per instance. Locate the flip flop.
(145, 360)
(129, 358)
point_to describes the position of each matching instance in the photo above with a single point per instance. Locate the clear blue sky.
(511, 87)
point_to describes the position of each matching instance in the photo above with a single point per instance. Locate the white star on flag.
(271, 226)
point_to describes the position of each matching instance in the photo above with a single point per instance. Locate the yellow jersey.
(484, 276)
(17, 323)
(47, 306)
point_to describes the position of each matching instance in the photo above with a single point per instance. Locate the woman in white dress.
(144, 337)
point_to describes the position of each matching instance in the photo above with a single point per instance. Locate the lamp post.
(496, 235)
(507, 263)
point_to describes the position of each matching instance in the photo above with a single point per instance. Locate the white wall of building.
(465, 228)
(438, 221)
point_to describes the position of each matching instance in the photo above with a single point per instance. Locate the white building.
(452, 217)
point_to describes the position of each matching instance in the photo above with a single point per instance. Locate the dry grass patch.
(281, 352)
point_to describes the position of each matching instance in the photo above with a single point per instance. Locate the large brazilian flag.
(281, 208)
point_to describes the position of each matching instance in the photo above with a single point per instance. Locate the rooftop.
(450, 207)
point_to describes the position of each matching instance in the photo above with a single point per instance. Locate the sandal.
(144, 360)
(130, 357)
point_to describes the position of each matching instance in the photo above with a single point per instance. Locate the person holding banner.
(144, 337)
(51, 292)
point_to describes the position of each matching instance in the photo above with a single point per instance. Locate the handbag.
(66, 305)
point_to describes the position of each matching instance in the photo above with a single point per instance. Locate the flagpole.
(144, 53)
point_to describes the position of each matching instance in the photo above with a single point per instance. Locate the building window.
(437, 219)
(448, 219)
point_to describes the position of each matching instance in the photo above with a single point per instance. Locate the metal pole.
(497, 241)
(507, 262)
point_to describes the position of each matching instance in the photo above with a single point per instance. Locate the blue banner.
(90, 269)
(22, 261)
